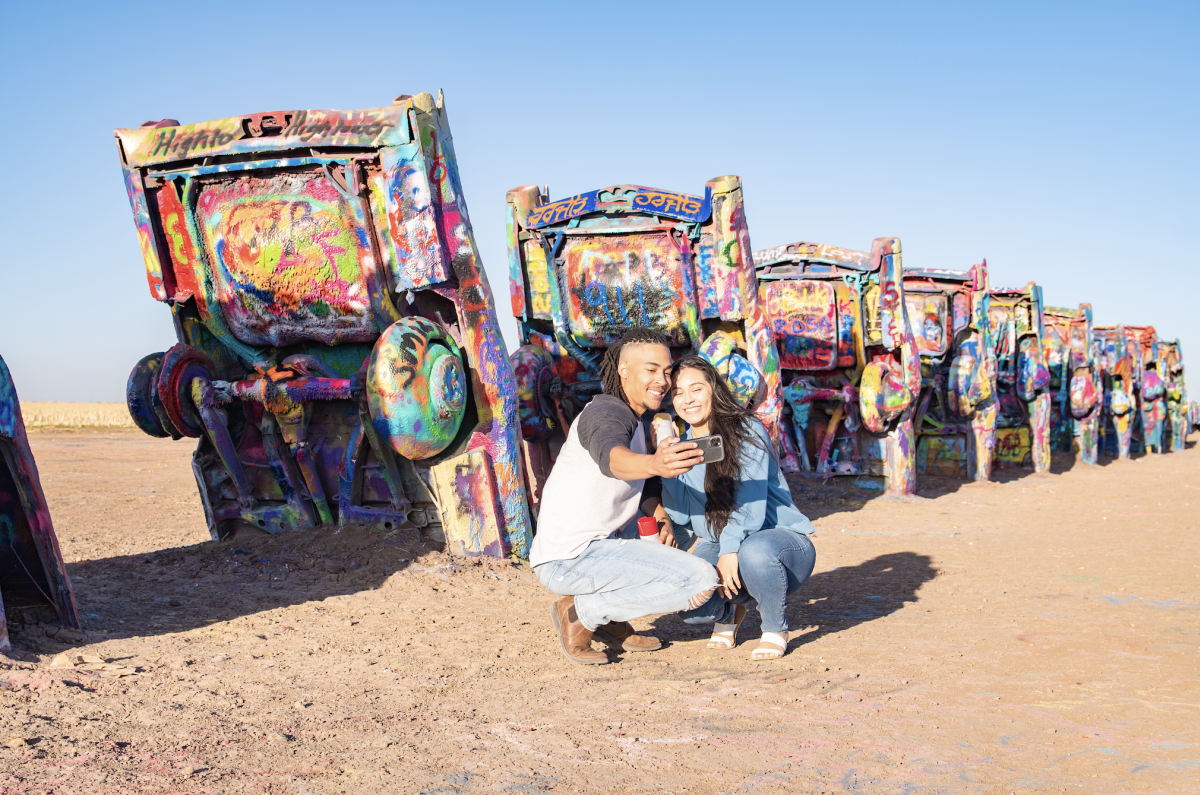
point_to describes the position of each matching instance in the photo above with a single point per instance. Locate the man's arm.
(606, 429)
(668, 461)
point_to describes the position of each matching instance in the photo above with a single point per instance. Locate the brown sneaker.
(576, 639)
(619, 635)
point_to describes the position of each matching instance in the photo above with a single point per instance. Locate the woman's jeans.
(772, 563)
(617, 579)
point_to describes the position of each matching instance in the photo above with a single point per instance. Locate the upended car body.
(338, 354)
(585, 269)
(956, 416)
(848, 359)
(1151, 417)
(32, 571)
(1120, 372)
(1177, 397)
(1016, 326)
(1076, 388)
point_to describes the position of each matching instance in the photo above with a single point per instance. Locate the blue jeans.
(772, 563)
(617, 579)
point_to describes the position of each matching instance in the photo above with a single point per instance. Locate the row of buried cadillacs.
(340, 362)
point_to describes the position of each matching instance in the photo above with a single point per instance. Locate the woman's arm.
(750, 496)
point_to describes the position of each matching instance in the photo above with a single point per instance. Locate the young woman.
(737, 513)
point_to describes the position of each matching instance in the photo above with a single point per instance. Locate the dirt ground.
(1038, 634)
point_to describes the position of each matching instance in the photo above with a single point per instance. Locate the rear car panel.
(956, 415)
(1075, 381)
(338, 357)
(848, 357)
(585, 269)
(1016, 327)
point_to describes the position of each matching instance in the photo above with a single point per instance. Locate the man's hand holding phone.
(673, 457)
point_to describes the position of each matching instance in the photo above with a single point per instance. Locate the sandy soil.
(1034, 635)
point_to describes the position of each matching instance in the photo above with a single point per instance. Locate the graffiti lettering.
(675, 204)
(561, 210)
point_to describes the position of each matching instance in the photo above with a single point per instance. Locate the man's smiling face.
(644, 375)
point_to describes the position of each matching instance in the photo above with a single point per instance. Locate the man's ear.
(623, 370)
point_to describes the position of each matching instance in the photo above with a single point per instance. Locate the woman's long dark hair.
(732, 422)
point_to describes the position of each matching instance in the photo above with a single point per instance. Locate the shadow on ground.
(832, 601)
(182, 588)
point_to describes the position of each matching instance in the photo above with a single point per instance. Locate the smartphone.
(713, 447)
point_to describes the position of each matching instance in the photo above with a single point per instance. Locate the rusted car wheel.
(416, 388)
(180, 365)
(141, 397)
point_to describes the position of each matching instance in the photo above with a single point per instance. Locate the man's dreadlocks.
(610, 375)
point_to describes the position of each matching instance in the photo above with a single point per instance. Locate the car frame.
(850, 375)
(1075, 380)
(585, 269)
(1148, 430)
(1017, 328)
(339, 355)
(956, 417)
(1177, 396)
(1120, 373)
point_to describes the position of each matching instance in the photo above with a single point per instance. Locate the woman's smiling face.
(692, 397)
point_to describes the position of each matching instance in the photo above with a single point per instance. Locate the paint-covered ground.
(1037, 635)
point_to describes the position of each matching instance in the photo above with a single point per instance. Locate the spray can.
(647, 528)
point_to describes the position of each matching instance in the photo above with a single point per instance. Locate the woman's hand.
(727, 572)
(673, 458)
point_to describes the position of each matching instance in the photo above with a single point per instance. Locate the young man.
(584, 548)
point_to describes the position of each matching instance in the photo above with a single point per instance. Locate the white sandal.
(771, 646)
(726, 639)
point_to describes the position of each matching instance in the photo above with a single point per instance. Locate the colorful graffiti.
(31, 565)
(1016, 325)
(849, 358)
(339, 354)
(613, 284)
(585, 269)
(1075, 380)
(958, 408)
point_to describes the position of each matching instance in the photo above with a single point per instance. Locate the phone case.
(713, 447)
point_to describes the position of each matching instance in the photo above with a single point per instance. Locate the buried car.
(338, 357)
(32, 572)
(956, 416)
(1176, 395)
(1016, 326)
(1120, 374)
(585, 269)
(1075, 383)
(848, 358)
(1148, 429)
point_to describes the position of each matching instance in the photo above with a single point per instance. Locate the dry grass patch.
(76, 415)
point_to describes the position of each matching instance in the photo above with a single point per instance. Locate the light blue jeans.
(620, 579)
(772, 563)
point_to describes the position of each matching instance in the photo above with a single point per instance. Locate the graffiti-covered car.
(338, 356)
(586, 269)
(1075, 386)
(956, 417)
(848, 358)
(1148, 430)
(1120, 374)
(1016, 327)
(32, 571)
(1176, 396)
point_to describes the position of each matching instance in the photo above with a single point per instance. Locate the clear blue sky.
(1059, 141)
